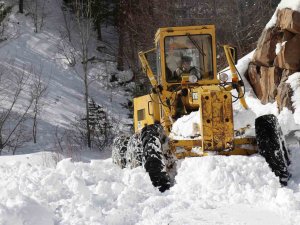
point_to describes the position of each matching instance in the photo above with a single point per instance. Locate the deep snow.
(210, 190)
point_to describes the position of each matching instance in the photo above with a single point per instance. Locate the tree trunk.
(240, 7)
(34, 127)
(99, 32)
(21, 6)
(1, 143)
(86, 95)
(120, 62)
(36, 17)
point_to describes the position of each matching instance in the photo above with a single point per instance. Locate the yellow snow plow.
(186, 81)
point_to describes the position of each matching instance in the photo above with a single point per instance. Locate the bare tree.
(65, 145)
(238, 22)
(65, 9)
(137, 24)
(36, 9)
(19, 138)
(83, 12)
(83, 24)
(68, 51)
(38, 92)
(13, 83)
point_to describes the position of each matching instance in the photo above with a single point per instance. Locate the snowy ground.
(210, 190)
(41, 189)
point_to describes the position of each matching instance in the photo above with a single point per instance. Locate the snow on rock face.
(286, 18)
(291, 4)
(294, 81)
(287, 121)
(279, 47)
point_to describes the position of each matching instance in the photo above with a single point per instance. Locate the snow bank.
(23, 210)
(186, 127)
(101, 193)
(71, 193)
(47, 159)
(235, 179)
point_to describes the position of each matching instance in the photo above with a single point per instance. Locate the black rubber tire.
(119, 149)
(153, 158)
(272, 146)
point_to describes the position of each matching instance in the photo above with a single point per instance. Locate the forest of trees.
(238, 22)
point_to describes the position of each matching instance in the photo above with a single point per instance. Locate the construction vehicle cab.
(182, 47)
(186, 81)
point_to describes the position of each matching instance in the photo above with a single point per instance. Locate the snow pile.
(227, 180)
(291, 4)
(101, 193)
(23, 210)
(294, 81)
(186, 127)
(242, 117)
(71, 193)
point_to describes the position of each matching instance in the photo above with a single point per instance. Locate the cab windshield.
(190, 55)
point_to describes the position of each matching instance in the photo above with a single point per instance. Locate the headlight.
(223, 77)
(193, 79)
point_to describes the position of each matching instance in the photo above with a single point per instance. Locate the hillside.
(45, 54)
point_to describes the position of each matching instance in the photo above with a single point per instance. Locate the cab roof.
(170, 31)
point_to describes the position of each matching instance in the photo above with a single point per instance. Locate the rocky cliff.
(276, 57)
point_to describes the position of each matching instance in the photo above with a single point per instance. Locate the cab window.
(158, 62)
(190, 55)
(151, 57)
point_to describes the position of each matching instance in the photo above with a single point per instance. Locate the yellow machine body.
(146, 112)
(173, 95)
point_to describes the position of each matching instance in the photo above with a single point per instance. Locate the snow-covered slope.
(27, 51)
